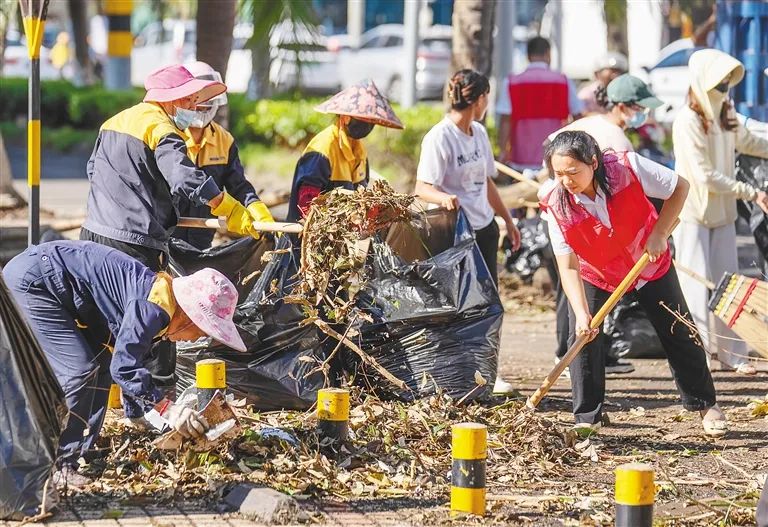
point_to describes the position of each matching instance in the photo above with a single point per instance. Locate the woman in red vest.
(603, 222)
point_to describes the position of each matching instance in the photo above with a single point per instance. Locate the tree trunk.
(9, 198)
(616, 24)
(7, 9)
(260, 60)
(473, 22)
(215, 27)
(78, 11)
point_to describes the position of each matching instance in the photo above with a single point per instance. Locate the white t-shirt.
(607, 134)
(460, 164)
(657, 181)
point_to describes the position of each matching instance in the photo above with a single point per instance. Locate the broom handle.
(696, 276)
(514, 174)
(534, 400)
(261, 226)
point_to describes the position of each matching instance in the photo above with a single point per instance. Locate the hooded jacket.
(707, 160)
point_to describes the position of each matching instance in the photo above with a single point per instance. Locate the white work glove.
(186, 421)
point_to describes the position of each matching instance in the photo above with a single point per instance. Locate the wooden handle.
(696, 276)
(597, 320)
(504, 169)
(261, 226)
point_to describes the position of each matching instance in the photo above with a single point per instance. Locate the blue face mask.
(184, 118)
(637, 120)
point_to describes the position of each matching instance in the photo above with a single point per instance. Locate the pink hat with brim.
(209, 299)
(171, 83)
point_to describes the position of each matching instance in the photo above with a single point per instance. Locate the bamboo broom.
(742, 304)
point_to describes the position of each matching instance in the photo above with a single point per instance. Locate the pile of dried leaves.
(334, 244)
(394, 449)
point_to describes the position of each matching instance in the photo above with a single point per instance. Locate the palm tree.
(473, 22)
(78, 12)
(265, 15)
(215, 24)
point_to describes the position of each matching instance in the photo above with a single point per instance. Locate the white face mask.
(203, 119)
(183, 118)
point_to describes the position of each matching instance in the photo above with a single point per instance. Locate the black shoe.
(618, 366)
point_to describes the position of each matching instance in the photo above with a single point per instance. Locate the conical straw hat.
(362, 101)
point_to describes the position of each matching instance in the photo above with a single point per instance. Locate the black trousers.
(686, 356)
(162, 361)
(487, 240)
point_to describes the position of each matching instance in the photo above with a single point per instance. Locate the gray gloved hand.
(186, 421)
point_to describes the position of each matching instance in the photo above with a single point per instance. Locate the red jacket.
(606, 255)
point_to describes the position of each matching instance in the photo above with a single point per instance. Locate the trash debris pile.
(408, 312)
(394, 449)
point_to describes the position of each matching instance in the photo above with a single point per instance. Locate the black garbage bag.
(630, 333)
(436, 312)
(237, 259)
(754, 170)
(274, 372)
(32, 413)
(535, 250)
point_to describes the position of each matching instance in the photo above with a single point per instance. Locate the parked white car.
(162, 44)
(16, 58)
(381, 57)
(669, 79)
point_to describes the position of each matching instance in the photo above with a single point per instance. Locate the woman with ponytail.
(601, 221)
(706, 137)
(457, 167)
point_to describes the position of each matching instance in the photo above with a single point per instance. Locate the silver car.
(381, 57)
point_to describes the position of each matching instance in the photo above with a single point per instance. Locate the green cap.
(629, 89)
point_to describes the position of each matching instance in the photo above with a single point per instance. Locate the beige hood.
(708, 67)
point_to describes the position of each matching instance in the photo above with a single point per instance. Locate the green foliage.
(62, 104)
(280, 123)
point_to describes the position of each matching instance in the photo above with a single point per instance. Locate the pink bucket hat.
(209, 300)
(171, 83)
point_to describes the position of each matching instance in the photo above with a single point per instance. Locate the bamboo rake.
(597, 320)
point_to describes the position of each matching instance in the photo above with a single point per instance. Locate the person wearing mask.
(140, 169)
(706, 135)
(336, 157)
(81, 297)
(537, 102)
(456, 169)
(601, 221)
(214, 151)
(607, 68)
(627, 102)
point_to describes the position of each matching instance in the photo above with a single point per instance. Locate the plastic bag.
(32, 417)
(535, 250)
(274, 372)
(754, 170)
(436, 312)
(630, 333)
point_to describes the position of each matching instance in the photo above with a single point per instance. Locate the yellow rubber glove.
(238, 218)
(260, 212)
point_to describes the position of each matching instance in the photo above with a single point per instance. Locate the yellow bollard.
(333, 413)
(115, 394)
(210, 377)
(635, 494)
(468, 447)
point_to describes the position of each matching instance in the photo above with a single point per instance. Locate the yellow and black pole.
(469, 449)
(33, 13)
(210, 377)
(635, 494)
(119, 43)
(333, 413)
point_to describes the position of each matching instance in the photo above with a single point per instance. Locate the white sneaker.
(585, 430)
(502, 387)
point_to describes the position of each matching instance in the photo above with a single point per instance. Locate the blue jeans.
(79, 361)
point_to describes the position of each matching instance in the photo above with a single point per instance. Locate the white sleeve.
(490, 160)
(433, 160)
(657, 180)
(503, 104)
(556, 238)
